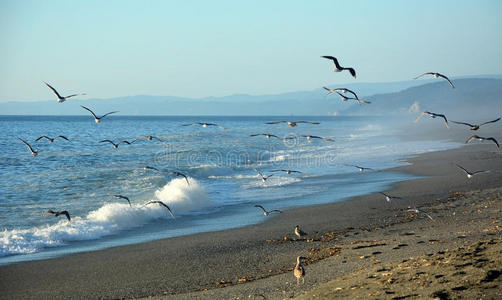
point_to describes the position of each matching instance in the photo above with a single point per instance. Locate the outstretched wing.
(335, 61)
(275, 122)
(471, 138)
(462, 168)
(352, 72)
(27, 145)
(420, 116)
(463, 123)
(445, 120)
(447, 79)
(54, 90)
(64, 212)
(81, 94)
(93, 114)
(259, 206)
(63, 137)
(42, 137)
(494, 140)
(493, 121)
(113, 112)
(428, 73)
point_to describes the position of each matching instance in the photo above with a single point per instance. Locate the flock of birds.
(299, 271)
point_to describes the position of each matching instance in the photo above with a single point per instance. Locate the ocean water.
(81, 175)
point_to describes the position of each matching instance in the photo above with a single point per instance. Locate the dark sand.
(255, 262)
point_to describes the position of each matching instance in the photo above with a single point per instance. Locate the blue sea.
(82, 175)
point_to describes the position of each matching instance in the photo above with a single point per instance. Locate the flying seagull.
(433, 115)
(292, 124)
(361, 169)
(418, 211)
(471, 174)
(96, 118)
(163, 204)
(389, 197)
(51, 140)
(265, 212)
(345, 98)
(61, 99)
(299, 233)
(115, 146)
(57, 214)
(178, 174)
(437, 75)
(476, 126)
(480, 138)
(299, 270)
(343, 90)
(204, 125)
(286, 171)
(33, 152)
(339, 68)
(310, 137)
(267, 135)
(123, 197)
(151, 168)
(263, 178)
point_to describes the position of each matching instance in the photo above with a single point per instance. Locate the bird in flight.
(51, 140)
(437, 75)
(61, 99)
(263, 178)
(310, 137)
(267, 135)
(343, 90)
(286, 171)
(57, 214)
(178, 174)
(151, 168)
(419, 211)
(204, 125)
(291, 123)
(96, 118)
(389, 197)
(471, 174)
(339, 68)
(115, 146)
(265, 212)
(480, 138)
(123, 197)
(163, 204)
(476, 126)
(361, 169)
(33, 152)
(433, 115)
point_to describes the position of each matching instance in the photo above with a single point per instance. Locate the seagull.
(96, 119)
(57, 214)
(33, 152)
(267, 135)
(151, 168)
(310, 137)
(418, 211)
(389, 197)
(345, 98)
(123, 197)
(299, 271)
(476, 126)
(299, 233)
(61, 99)
(293, 124)
(471, 174)
(115, 146)
(204, 125)
(480, 138)
(51, 140)
(437, 75)
(343, 90)
(286, 171)
(178, 174)
(361, 169)
(163, 204)
(433, 115)
(265, 212)
(263, 178)
(339, 68)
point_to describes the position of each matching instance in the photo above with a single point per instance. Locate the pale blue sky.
(215, 48)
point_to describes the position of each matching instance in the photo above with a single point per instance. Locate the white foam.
(182, 197)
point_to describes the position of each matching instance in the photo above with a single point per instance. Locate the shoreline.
(190, 264)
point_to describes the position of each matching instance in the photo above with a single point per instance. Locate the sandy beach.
(364, 234)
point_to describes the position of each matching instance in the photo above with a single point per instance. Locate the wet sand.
(255, 262)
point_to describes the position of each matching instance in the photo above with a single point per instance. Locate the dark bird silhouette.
(57, 214)
(178, 174)
(339, 68)
(437, 75)
(204, 125)
(51, 140)
(343, 90)
(151, 168)
(480, 138)
(471, 174)
(433, 116)
(263, 178)
(419, 211)
(310, 137)
(33, 152)
(286, 171)
(163, 204)
(115, 146)
(61, 99)
(96, 118)
(267, 135)
(476, 126)
(265, 212)
(291, 123)
(123, 197)
(389, 197)
(361, 169)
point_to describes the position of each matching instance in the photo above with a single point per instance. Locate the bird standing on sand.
(51, 140)
(339, 68)
(433, 116)
(292, 124)
(480, 138)
(476, 126)
(265, 212)
(299, 271)
(389, 197)
(163, 204)
(263, 178)
(419, 211)
(57, 214)
(33, 152)
(115, 146)
(471, 174)
(299, 233)
(96, 118)
(123, 197)
(61, 99)
(437, 75)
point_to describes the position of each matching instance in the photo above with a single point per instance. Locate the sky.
(215, 48)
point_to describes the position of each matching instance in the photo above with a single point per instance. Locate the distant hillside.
(471, 98)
